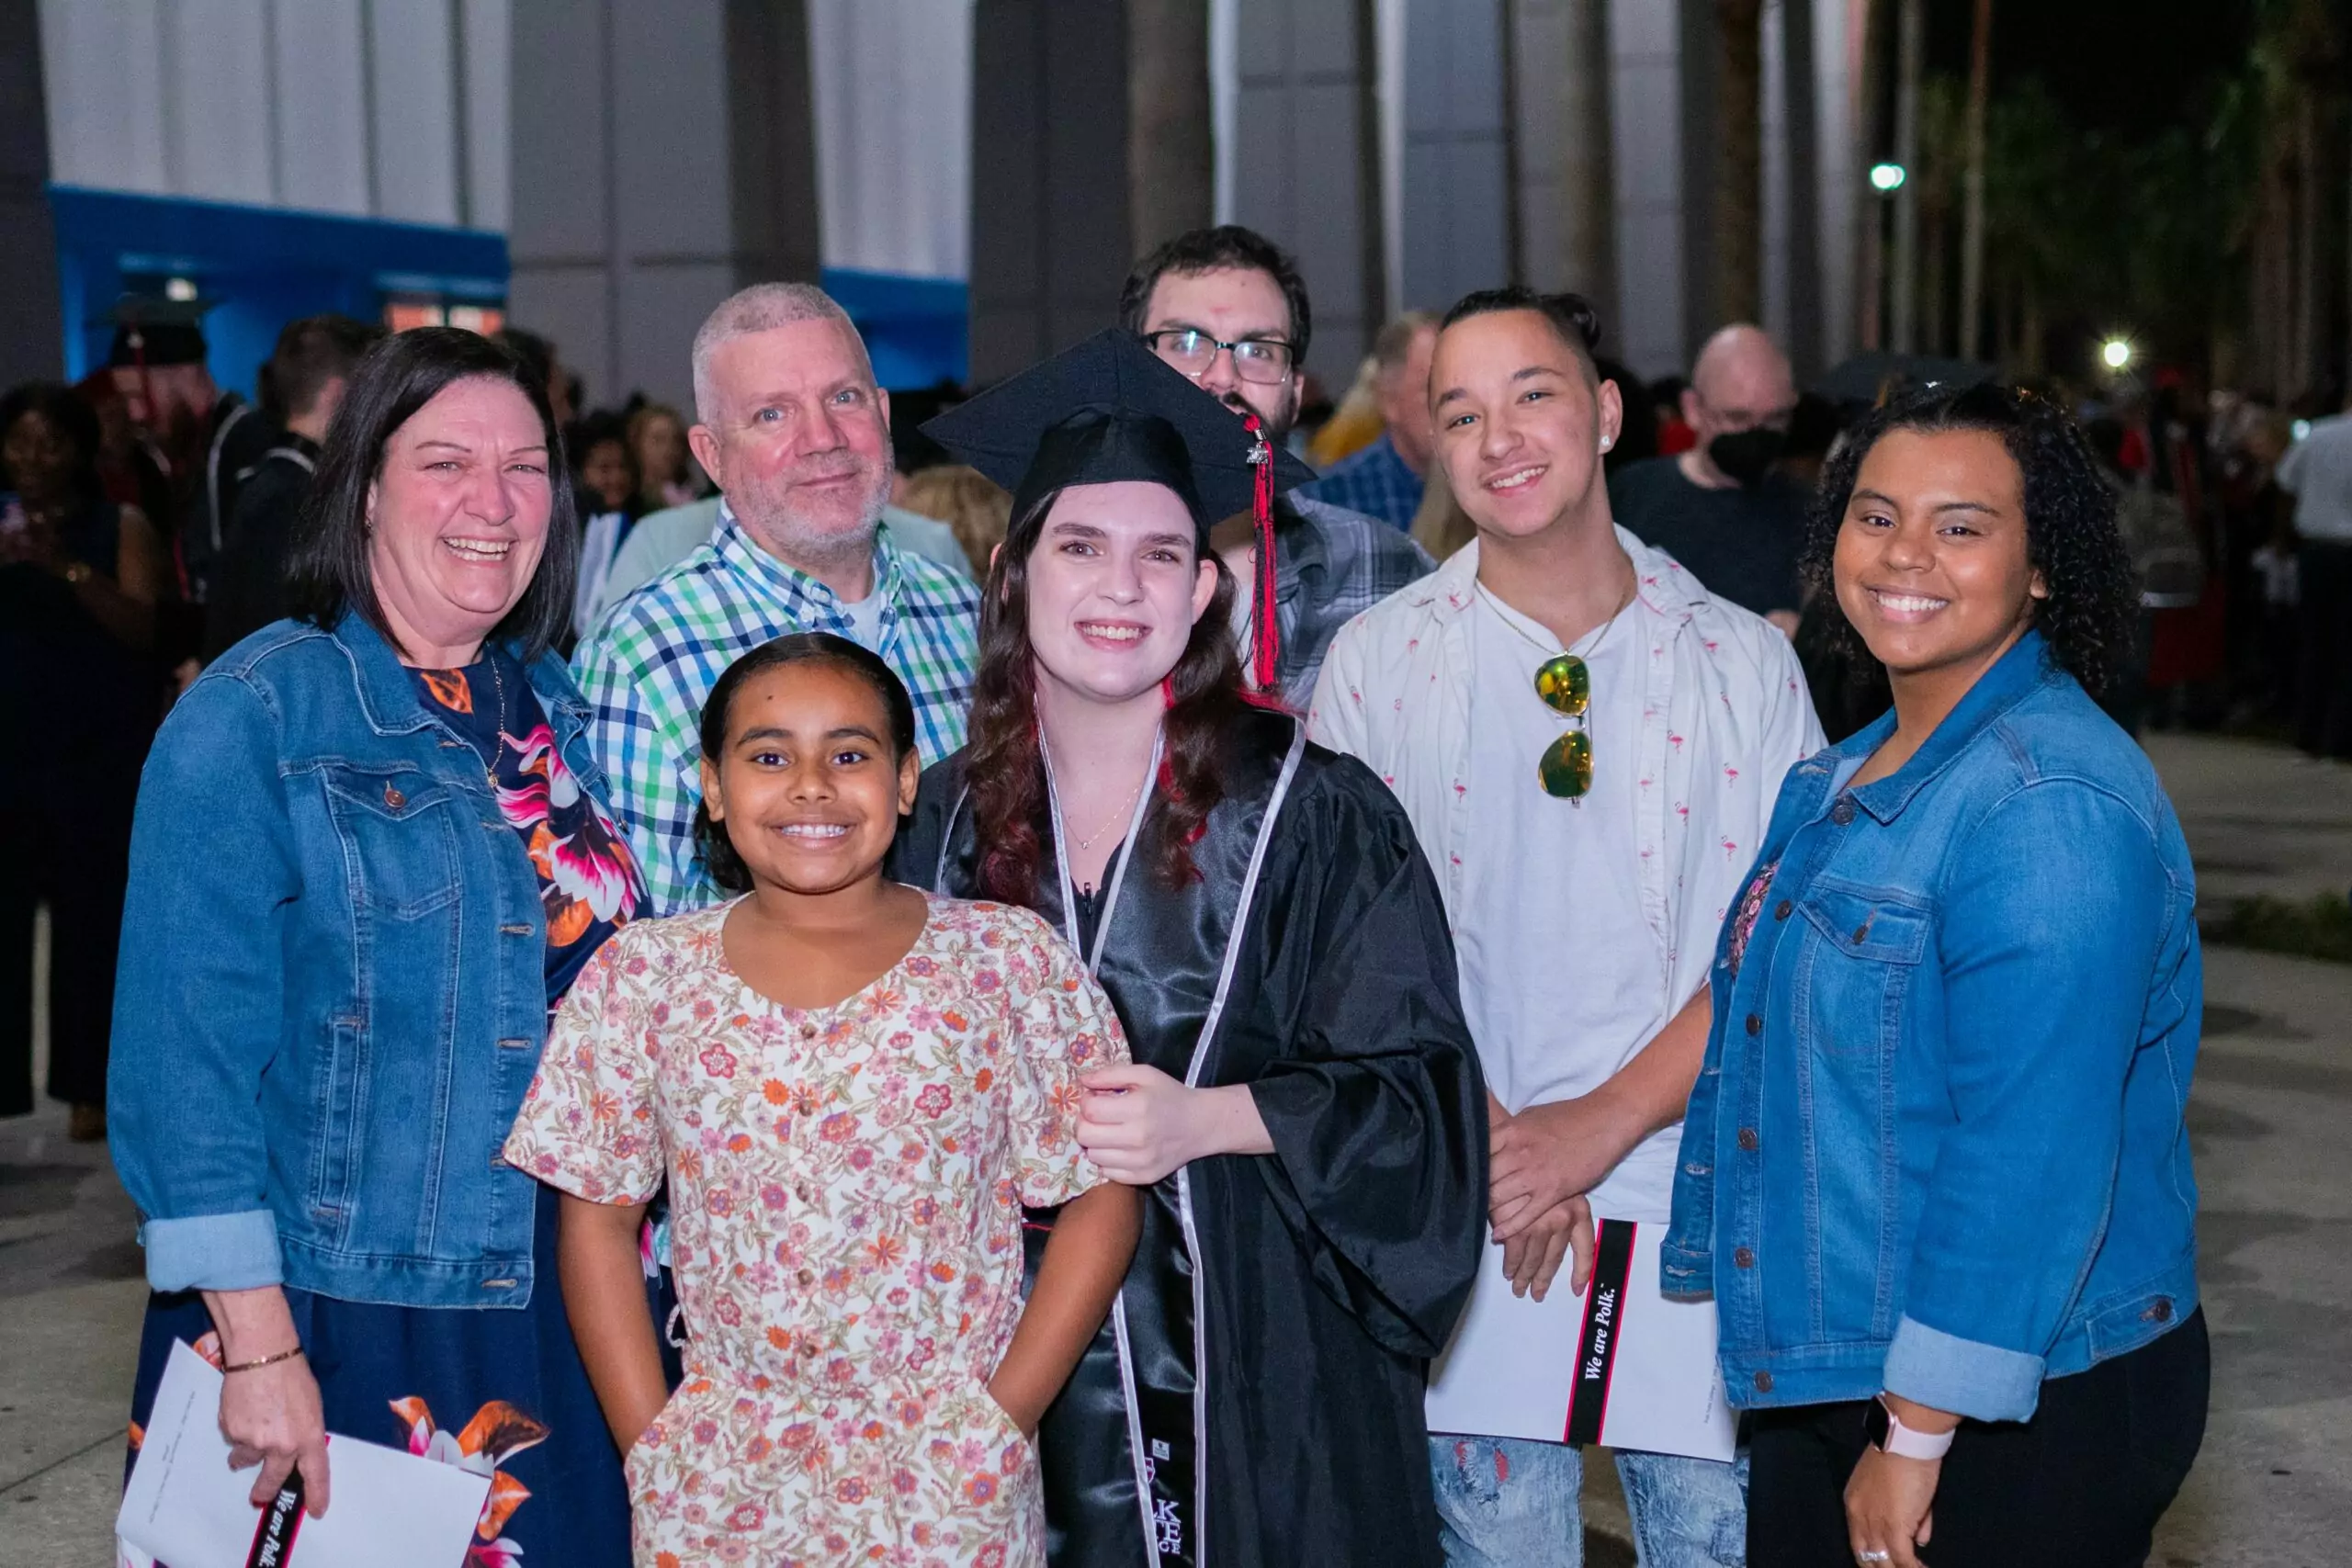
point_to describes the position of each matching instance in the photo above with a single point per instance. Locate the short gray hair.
(762, 308)
(1394, 345)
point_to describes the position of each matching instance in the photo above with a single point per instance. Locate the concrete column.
(663, 157)
(1567, 177)
(1051, 239)
(31, 345)
(1172, 153)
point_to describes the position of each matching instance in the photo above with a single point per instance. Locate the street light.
(1887, 178)
(2115, 352)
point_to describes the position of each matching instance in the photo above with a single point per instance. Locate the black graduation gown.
(1277, 1410)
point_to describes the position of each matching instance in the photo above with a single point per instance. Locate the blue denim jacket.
(1936, 1146)
(333, 991)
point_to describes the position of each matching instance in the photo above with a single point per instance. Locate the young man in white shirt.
(1588, 858)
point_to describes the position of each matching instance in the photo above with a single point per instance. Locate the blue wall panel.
(266, 267)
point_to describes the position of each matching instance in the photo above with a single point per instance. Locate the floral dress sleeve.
(588, 1125)
(1067, 1027)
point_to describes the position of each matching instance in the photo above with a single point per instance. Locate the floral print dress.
(845, 1187)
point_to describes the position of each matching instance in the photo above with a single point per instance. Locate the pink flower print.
(717, 1060)
(934, 1100)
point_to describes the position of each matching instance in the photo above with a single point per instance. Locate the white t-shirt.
(865, 621)
(2317, 471)
(1563, 978)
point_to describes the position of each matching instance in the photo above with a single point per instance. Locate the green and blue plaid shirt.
(647, 667)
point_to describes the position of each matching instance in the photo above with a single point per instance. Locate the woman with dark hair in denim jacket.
(370, 854)
(1934, 1172)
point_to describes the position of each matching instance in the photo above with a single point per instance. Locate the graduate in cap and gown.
(1304, 1105)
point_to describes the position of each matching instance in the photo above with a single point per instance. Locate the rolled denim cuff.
(213, 1252)
(1966, 1377)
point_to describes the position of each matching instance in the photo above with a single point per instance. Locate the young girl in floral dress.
(852, 1087)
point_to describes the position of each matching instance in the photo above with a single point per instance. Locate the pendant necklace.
(498, 719)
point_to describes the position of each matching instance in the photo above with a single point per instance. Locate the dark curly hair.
(718, 856)
(2071, 537)
(1228, 247)
(1006, 765)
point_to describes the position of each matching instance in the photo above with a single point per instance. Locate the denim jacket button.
(2161, 1312)
(1763, 1382)
(1748, 1139)
(393, 798)
(1862, 933)
(1755, 1024)
(1743, 1256)
(1843, 812)
(1784, 909)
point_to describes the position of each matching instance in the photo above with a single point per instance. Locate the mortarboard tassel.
(1265, 637)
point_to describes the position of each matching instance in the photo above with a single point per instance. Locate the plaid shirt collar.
(804, 598)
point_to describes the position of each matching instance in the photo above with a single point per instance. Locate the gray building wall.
(662, 159)
(31, 344)
(1457, 231)
(1306, 172)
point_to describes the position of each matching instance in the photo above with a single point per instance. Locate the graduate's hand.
(1547, 1155)
(1533, 1256)
(1138, 1125)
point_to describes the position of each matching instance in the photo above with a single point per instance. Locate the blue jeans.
(1511, 1503)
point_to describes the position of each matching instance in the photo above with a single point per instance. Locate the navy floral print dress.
(500, 1393)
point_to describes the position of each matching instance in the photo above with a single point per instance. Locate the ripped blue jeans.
(1511, 1503)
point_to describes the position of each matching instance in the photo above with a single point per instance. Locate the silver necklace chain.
(1610, 622)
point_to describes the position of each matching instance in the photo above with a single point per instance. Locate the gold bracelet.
(265, 1361)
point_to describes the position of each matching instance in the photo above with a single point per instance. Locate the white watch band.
(1909, 1442)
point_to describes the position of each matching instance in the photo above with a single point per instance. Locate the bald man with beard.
(1723, 508)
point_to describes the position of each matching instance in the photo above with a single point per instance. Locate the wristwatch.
(1890, 1436)
(78, 572)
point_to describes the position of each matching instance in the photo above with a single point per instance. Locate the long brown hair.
(1005, 767)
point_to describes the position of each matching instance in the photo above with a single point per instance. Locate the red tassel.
(1265, 650)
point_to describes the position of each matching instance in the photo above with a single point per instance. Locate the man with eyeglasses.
(1589, 744)
(1723, 509)
(1227, 308)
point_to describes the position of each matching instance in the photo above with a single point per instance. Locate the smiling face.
(458, 518)
(1520, 420)
(806, 789)
(1932, 565)
(798, 436)
(1115, 583)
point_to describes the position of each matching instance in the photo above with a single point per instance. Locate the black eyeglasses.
(1194, 351)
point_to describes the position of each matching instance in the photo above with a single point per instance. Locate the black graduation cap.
(153, 331)
(1110, 410)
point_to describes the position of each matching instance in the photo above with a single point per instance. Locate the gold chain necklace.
(1125, 806)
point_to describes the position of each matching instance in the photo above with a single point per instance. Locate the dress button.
(805, 1278)
(1763, 1382)
(807, 1031)
(1748, 1139)
(1843, 812)
(1743, 1256)
(1755, 1024)
(393, 798)
(1781, 911)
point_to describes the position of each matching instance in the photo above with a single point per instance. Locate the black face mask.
(1747, 454)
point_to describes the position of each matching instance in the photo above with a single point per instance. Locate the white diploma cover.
(187, 1508)
(1619, 1366)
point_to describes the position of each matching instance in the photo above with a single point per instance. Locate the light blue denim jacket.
(1938, 1146)
(333, 991)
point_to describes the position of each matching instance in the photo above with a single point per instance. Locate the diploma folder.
(186, 1508)
(1619, 1366)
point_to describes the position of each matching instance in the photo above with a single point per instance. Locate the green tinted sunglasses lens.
(1566, 767)
(1565, 685)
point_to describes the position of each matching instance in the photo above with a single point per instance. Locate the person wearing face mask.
(1722, 508)
(1304, 1110)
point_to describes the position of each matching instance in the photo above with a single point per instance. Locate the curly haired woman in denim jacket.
(1934, 1171)
(371, 852)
